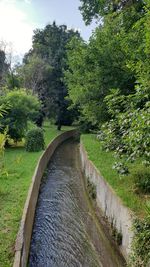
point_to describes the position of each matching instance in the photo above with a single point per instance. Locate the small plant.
(119, 239)
(117, 236)
(91, 189)
(141, 177)
(35, 140)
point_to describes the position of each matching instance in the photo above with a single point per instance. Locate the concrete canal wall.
(24, 235)
(117, 214)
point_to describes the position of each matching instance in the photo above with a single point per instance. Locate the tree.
(34, 74)
(95, 9)
(20, 108)
(96, 68)
(49, 53)
(3, 67)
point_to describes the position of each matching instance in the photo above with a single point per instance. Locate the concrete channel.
(59, 227)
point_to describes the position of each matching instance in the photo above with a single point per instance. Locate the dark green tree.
(3, 68)
(49, 47)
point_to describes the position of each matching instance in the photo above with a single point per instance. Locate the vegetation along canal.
(66, 232)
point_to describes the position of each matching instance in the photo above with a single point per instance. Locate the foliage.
(117, 56)
(85, 126)
(2, 110)
(3, 138)
(20, 108)
(42, 70)
(117, 236)
(91, 189)
(97, 67)
(128, 131)
(94, 9)
(141, 177)
(121, 168)
(34, 73)
(140, 255)
(3, 66)
(35, 140)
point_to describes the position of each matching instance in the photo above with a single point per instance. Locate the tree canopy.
(43, 68)
(98, 8)
(108, 78)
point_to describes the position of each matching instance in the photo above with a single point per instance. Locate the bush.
(20, 108)
(140, 255)
(35, 140)
(141, 177)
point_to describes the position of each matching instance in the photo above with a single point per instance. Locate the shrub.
(141, 177)
(140, 255)
(35, 140)
(121, 168)
(20, 108)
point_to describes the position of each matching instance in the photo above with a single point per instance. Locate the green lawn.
(122, 185)
(20, 166)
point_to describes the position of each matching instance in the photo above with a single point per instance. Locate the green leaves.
(141, 244)
(20, 108)
(43, 70)
(35, 140)
(128, 132)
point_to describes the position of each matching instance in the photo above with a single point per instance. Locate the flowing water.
(66, 232)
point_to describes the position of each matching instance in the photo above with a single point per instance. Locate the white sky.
(15, 26)
(18, 19)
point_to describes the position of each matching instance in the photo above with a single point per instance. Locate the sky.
(18, 19)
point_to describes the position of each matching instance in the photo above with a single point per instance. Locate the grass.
(20, 166)
(122, 185)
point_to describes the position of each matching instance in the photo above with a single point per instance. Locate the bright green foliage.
(20, 107)
(141, 177)
(35, 140)
(96, 68)
(128, 131)
(140, 255)
(94, 9)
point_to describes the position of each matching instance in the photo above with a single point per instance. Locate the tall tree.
(3, 67)
(111, 59)
(49, 47)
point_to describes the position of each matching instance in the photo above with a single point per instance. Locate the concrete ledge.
(24, 235)
(117, 214)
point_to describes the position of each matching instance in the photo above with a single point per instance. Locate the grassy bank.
(20, 166)
(122, 185)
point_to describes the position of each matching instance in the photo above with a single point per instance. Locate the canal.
(66, 231)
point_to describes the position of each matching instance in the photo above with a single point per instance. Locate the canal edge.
(111, 205)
